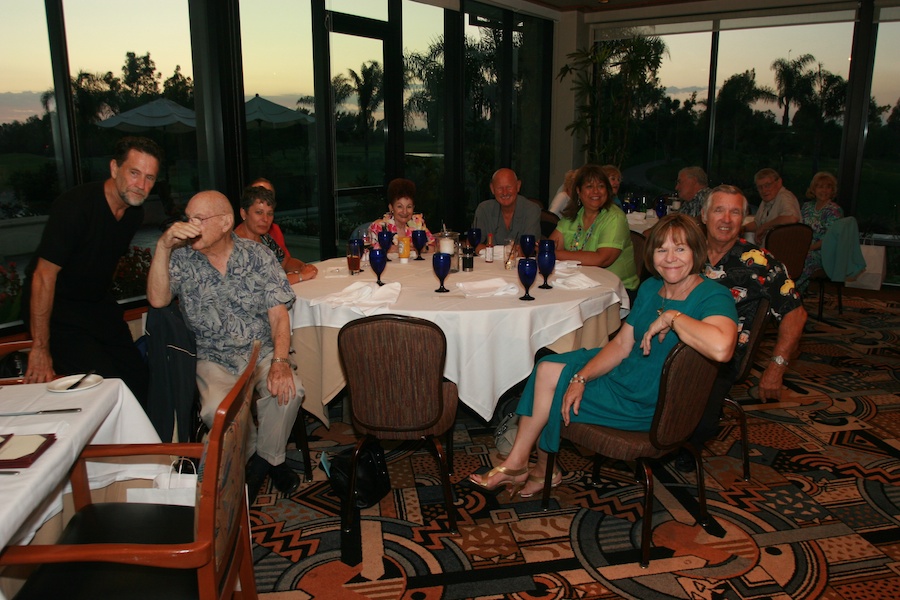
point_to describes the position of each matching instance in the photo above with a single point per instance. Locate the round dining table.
(491, 339)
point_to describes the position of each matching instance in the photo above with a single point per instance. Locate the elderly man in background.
(232, 292)
(693, 189)
(751, 274)
(75, 322)
(509, 215)
(778, 207)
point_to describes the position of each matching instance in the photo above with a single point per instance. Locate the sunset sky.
(277, 49)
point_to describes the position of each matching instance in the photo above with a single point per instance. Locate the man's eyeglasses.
(198, 221)
(765, 185)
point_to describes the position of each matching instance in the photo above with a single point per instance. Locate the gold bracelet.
(278, 360)
(672, 322)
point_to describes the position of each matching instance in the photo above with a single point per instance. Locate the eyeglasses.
(198, 221)
(765, 185)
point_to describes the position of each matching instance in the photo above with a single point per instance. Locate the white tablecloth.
(490, 341)
(110, 414)
(640, 222)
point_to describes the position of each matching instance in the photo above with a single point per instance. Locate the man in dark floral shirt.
(751, 273)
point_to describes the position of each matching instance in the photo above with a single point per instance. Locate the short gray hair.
(767, 172)
(724, 189)
(697, 173)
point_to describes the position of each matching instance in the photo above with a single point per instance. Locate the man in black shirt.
(75, 322)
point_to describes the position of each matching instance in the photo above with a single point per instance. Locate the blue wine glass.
(378, 260)
(474, 236)
(526, 242)
(419, 240)
(546, 262)
(385, 240)
(441, 263)
(527, 273)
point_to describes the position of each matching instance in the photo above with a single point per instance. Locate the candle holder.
(448, 243)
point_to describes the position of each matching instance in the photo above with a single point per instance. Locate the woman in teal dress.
(819, 213)
(618, 385)
(594, 230)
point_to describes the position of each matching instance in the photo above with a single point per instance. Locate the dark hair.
(587, 174)
(682, 228)
(141, 144)
(256, 193)
(401, 188)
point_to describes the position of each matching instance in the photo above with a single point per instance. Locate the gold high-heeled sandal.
(512, 473)
(554, 482)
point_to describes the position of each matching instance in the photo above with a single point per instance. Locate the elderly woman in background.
(563, 196)
(614, 175)
(401, 218)
(258, 214)
(819, 212)
(618, 385)
(595, 231)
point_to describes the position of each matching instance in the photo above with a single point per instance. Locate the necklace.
(675, 297)
(576, 241)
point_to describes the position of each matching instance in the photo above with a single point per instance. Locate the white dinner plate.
(60, 385)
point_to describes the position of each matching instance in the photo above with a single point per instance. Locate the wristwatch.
(780, 360)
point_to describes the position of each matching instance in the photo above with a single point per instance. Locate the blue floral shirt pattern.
(227, 313)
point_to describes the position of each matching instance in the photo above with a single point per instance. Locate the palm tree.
(615, 83)
(792, 82)
(734, 107)
(369, 87)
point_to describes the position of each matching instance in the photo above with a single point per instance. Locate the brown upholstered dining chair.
(687, 378)
(549, 221)
(760, 320)
(142, 551)
(639, 241)
(394, 367)
(790, 245)
(7, 348)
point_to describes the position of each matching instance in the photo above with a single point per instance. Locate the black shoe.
(284, 478)
(684, 462)
(257, 469)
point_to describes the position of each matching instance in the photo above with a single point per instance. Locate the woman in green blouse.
(594, 230)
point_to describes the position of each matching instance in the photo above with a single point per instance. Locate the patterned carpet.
(819, 519)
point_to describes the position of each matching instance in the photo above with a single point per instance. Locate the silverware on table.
(80, 381)
(9, 472)
(40, 412)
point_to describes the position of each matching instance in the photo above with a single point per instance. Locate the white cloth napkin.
(575, 281)
(567, 265)
(35, 424)
(363, 297)
(488, 287)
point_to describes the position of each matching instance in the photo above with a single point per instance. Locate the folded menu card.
(22, 450)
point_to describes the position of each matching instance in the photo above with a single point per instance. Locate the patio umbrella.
(259, 111)
(158, 114)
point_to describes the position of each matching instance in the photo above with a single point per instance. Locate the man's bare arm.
(790, 330)
(43, 288)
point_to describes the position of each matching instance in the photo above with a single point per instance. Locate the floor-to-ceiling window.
(878, 208)
(280, 106)
(505, 77)
(424, 105)
(29, 166)
(134, 79)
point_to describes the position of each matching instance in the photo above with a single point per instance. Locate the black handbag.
(372, 480)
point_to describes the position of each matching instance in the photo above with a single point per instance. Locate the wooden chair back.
(790, 245)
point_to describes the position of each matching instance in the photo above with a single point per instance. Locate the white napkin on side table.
(488, 287)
